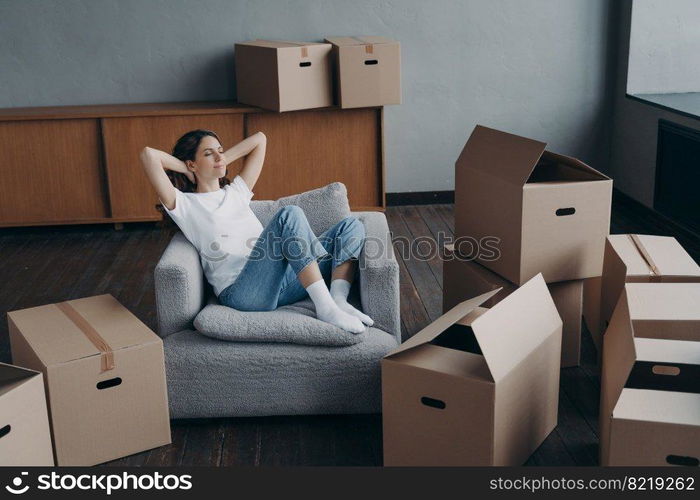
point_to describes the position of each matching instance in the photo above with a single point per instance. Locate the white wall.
(664, 54)
(539, 68)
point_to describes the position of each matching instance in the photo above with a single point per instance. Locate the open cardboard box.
(104, 402)
(650, 384)
(477, 386)
(282, 75)
(367, 71)
(25, 439)
(634, 258)
(550, 212)
(463, 278)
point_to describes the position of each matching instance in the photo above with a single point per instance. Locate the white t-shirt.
(221, 226)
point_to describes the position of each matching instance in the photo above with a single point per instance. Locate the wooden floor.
(50, 264)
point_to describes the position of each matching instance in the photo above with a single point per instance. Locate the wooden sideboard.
(80, 164)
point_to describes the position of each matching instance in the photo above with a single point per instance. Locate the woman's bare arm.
(253, 149)
(155, 163)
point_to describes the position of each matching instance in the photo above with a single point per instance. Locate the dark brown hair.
(186, 149)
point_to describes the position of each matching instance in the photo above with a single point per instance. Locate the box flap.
(499, 154)
(443, 322)
(576, 164)
(664, 301)
(56, 338)
(516, 326)
(665, 253)
(684, 352)
(681, 408)
(278, 44)
(344, 41)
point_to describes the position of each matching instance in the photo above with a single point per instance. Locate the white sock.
(327, 310)
(340, 289)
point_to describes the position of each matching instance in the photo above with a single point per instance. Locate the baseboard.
(420, 198)
(666, 225)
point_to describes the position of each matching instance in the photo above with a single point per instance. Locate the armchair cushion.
(295, 324)
(323, 206)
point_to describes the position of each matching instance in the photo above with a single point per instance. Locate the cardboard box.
(635, 258)
(544, 212)
(477, 386)
(591, 310)
(463, 278)
(650, 386)
(104, 375)
(283, 76)
(367, 71)
(25, 439)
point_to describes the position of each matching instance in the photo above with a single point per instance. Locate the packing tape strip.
(369, 48)
(304, 48)
(645, 255)
(107, 355)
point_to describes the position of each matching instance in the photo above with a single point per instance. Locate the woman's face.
(209, 162)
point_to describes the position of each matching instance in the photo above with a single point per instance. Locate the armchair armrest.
(379, 274)
(179, 283)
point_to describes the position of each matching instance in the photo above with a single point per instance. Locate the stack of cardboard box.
(650, 380)
(351, 72)
(522, 210)
(103, 379)
(480, 386)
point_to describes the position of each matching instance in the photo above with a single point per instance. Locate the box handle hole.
(305, 64)
(433, 403)
(106, 384)
(371, 62)
(679, 460)
(565, 211)
(4, 431)
(665, 370)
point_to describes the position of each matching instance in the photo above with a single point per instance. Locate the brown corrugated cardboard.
(477, 386)
(650, 382)
(25, 439)
(463, 278)
(282, 75)
(104, 376)
(636, 258)
(367, 71)
(591, 309)
(550, 212)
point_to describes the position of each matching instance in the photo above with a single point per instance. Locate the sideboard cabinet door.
(51, 172)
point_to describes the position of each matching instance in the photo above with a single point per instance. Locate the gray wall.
(664, 47)
(539, 68)
(635, 129)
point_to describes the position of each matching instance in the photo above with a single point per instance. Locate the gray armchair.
(209, 377)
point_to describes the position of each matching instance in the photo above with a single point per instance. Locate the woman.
(252, 268)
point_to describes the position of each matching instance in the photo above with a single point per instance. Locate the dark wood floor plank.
(204, 441)
(241, 442)
(421, 275)
(425, 247)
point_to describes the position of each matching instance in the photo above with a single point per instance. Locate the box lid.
(443, 322)
(649, 255)
(56, 338)
(682, 408)
(344, 41)
(499, 154)
(278, 44)
(512, 329)
(12, 377)
(664, 301)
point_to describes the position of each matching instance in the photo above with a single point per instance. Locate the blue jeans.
(285, 247)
